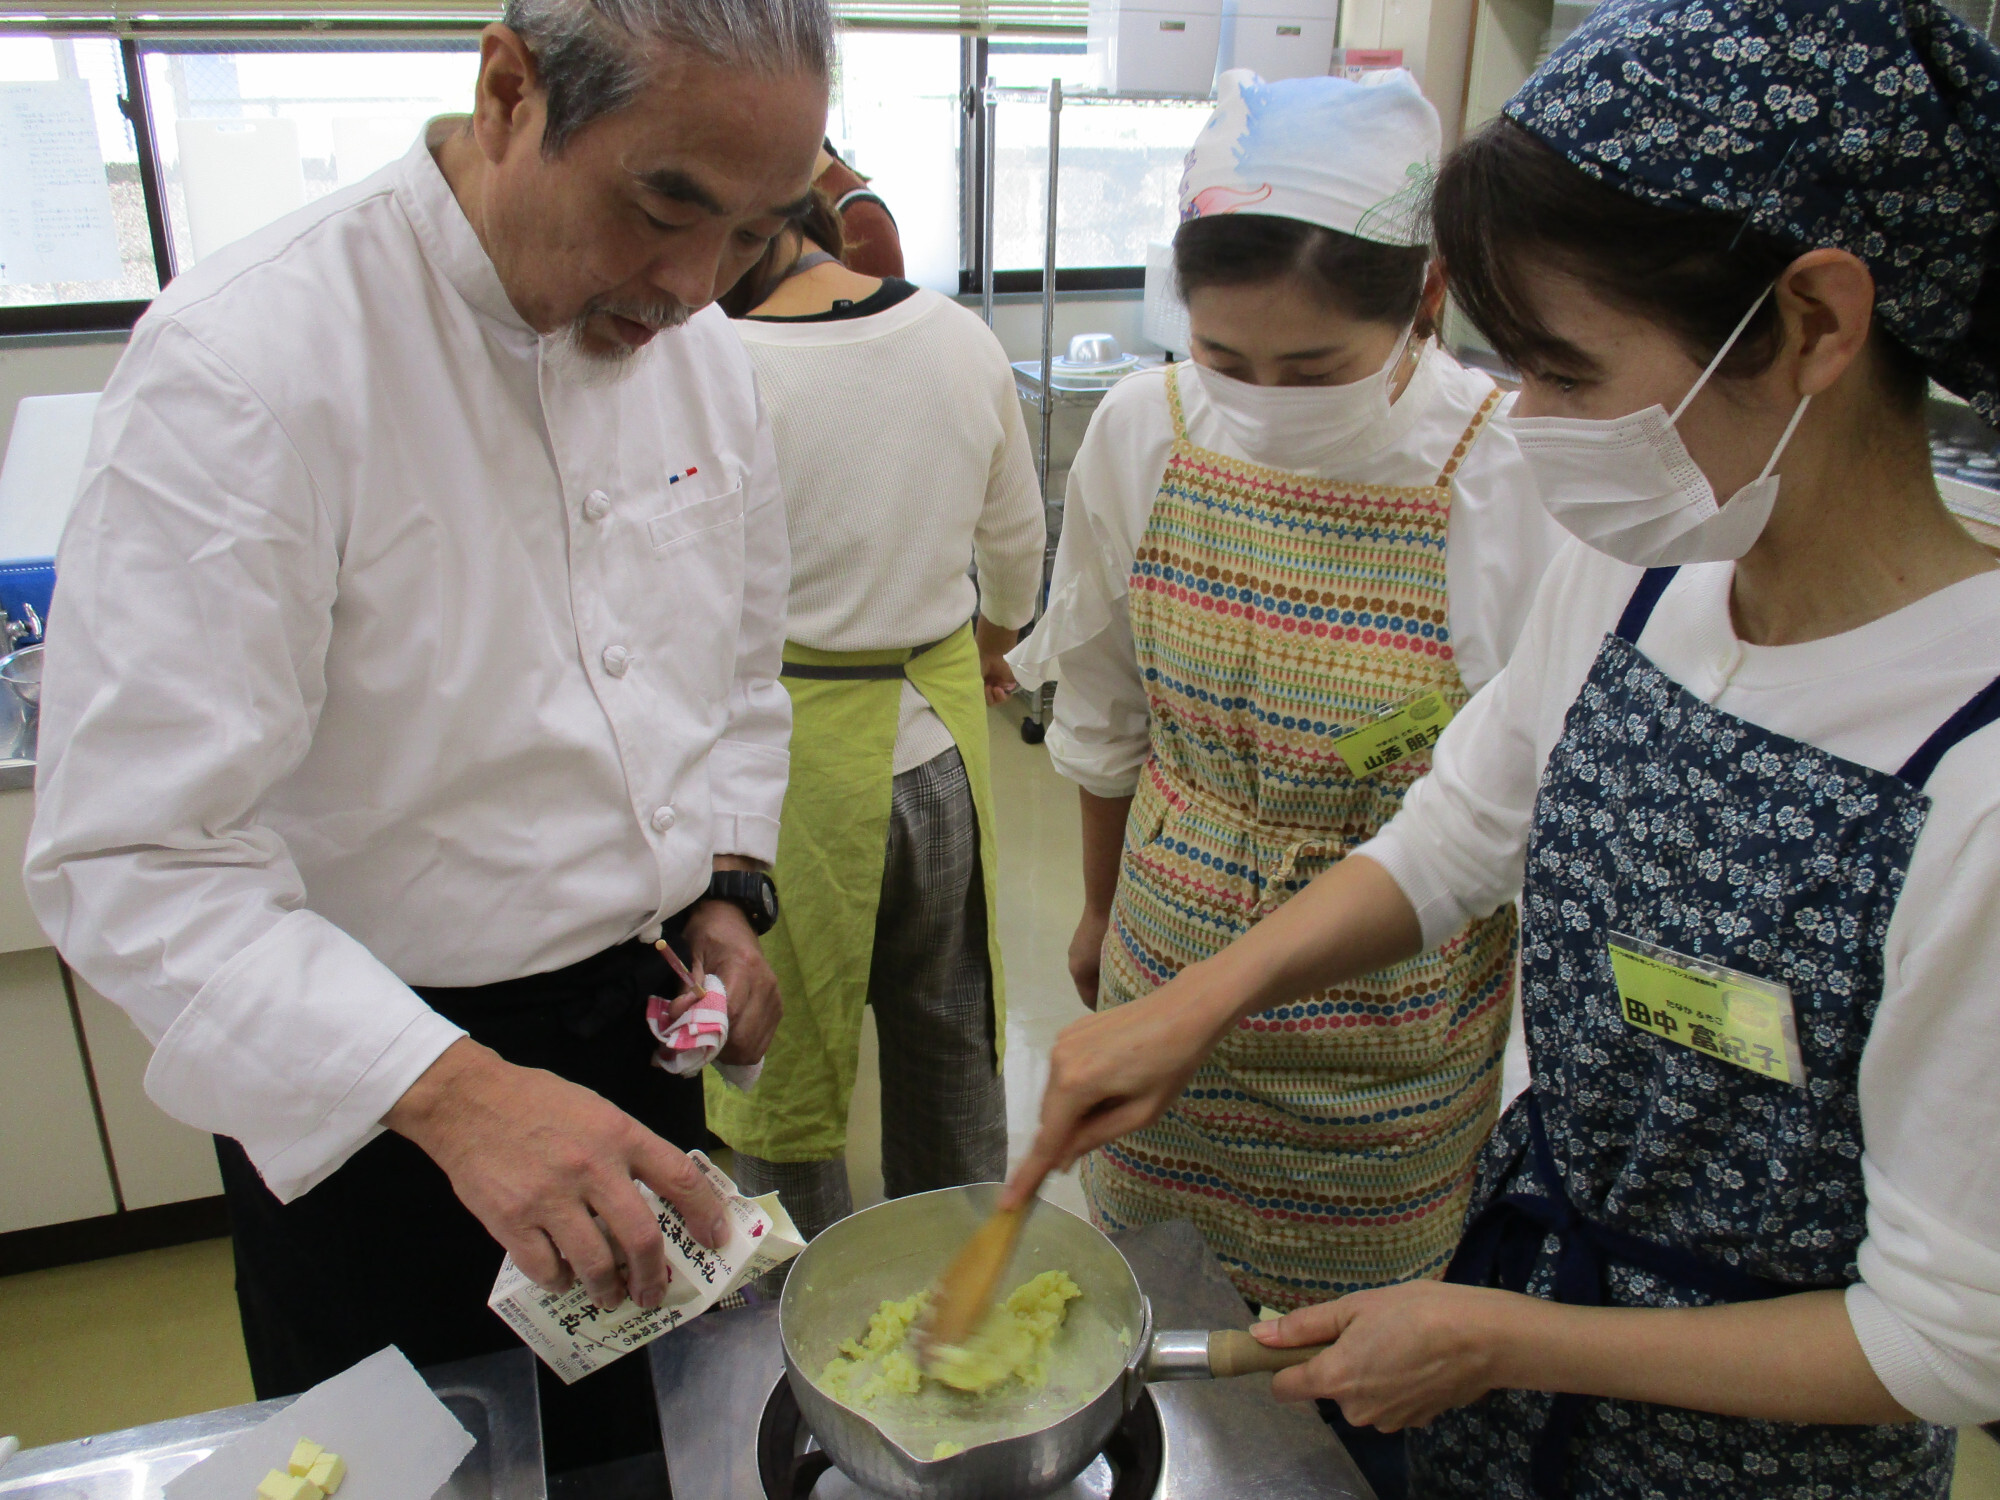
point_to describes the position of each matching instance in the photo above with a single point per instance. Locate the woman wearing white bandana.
(1309, 529)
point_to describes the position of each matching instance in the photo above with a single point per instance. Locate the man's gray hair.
(594, 56)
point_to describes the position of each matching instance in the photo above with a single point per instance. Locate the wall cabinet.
(79, 1139)
(52, 1163)
(158, 1159)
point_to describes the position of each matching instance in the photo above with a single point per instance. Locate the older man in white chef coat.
(417, 658)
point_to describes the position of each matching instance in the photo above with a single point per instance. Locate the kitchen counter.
(494, 1396)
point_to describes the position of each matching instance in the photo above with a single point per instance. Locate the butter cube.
(279, 1485)
(304, 1452)
(328, 1470)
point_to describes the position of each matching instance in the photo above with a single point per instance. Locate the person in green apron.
(904, 458)
(1285, 565)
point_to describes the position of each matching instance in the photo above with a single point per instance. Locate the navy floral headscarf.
(1870, 125)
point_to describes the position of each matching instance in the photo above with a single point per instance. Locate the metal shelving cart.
(1040, 384)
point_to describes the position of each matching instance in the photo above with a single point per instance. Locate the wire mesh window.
(247, 134)
(73, 225)
(1120, 165)
(124, 159)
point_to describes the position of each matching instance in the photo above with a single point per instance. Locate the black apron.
(382, 1252)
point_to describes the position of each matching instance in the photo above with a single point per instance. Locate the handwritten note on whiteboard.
(55, 204)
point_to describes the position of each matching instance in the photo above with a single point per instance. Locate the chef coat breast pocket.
(697, 522)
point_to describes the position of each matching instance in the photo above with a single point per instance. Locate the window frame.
(136, 105)
(108, 316)
(972, 179)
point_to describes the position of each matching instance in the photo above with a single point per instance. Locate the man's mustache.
(658, 315)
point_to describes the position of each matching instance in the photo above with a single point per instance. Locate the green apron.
(831, 848)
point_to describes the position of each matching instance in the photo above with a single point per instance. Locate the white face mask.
(1628, 487)
(1302, 427)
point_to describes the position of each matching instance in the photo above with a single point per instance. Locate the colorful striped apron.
(1328, 1145)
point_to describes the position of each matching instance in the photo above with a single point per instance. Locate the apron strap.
(884, 671)
(1500, 1247)
(1469, 436)
(1639, 608)
(1175, 412)
(1983, 709)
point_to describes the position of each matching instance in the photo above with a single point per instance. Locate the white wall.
(1435, 36)
(52, 366)
(49, 366)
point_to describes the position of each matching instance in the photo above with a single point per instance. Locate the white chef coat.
(1499, 539)
(386, 656)
(1927, 1310)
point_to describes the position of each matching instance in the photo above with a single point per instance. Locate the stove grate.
(791, 1467)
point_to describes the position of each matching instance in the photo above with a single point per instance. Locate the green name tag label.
(1395, 736)
(1722, 1013)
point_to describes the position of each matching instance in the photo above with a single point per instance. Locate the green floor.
(114, 1343)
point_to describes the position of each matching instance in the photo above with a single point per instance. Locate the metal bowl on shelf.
(1091, 366)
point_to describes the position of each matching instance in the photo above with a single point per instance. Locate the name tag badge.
(1722, 1013)
(1396, 736)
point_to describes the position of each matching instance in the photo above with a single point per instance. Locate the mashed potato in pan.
(1012, 1344)
(1035, 1358)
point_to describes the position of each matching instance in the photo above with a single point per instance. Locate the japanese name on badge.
(1396, 736)
(1720, 1012)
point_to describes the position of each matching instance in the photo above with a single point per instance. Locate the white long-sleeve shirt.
(1927, 1309)
(904, 457)
(1499, 539)
(385, 656)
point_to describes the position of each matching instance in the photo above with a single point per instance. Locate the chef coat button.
(596, 505)
(616, 660)
(663, 819)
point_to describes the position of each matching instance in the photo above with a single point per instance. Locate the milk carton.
(574, 1336)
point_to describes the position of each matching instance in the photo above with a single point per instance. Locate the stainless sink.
(494, 1396)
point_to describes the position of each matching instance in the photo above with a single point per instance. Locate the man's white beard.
(578, 362)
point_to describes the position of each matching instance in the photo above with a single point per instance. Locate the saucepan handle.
(1233, 1352)
(1198, 1354)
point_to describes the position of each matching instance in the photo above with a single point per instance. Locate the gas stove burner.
(793, 1467)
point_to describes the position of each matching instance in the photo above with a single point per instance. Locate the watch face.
(755, 892)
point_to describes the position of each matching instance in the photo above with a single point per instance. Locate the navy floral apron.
(1642, 1173)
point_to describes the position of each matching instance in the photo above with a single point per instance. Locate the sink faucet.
(26, 628)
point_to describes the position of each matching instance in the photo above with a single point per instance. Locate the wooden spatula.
(961, 1295)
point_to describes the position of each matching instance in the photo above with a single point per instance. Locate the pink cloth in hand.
(691, 1043)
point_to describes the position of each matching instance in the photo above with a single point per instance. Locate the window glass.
(1120, 165)
(247, 135)
(72, 212)
(895, 120)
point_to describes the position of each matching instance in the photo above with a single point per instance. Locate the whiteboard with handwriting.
(55, 204)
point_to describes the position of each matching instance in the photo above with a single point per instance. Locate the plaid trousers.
(944, 1109)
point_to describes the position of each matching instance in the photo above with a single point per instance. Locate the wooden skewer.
(674, 962)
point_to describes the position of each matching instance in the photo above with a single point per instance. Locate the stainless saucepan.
(894, 1249)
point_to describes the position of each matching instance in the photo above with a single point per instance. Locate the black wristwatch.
(752, 891)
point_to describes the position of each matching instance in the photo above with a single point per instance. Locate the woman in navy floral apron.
(1739, 1235)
